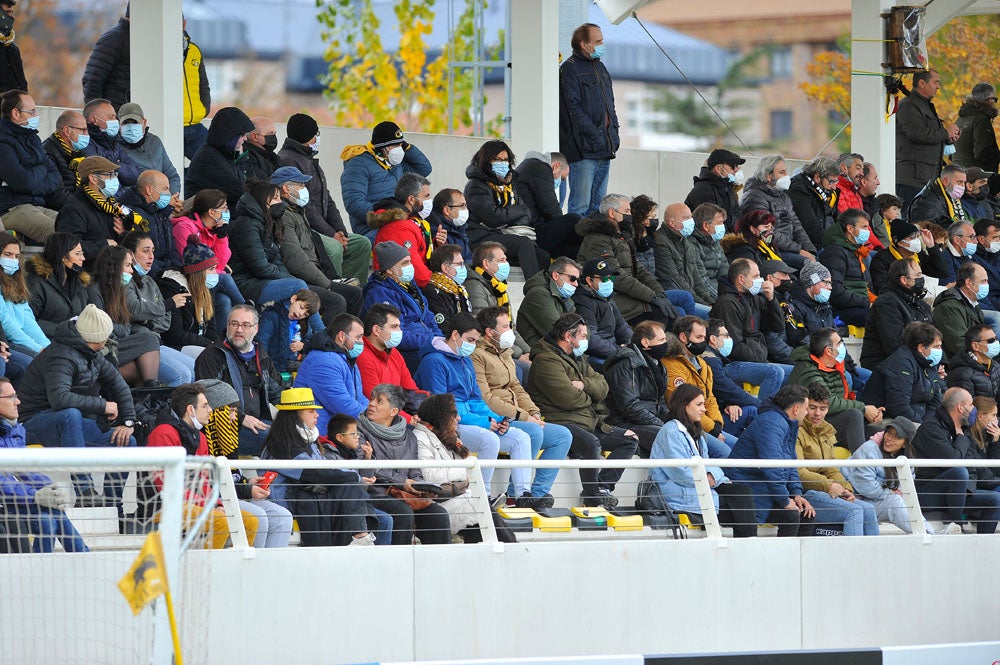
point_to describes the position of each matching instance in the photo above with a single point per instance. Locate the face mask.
(696, 348)
(969, 249)
(278, 209)
(918, 285)
(783, 286)
(195, 423)
(784, 182)
(81, 142)
(74, 269)
(626, 220)
(935, 357)
(138, 268)
(841, 352)
(132, 132)
(983, 291)
(957, 191)
(463, 217)
(302, 198)
(658, 351)
(163, 201)
(949, 150)
(582, 348)
(598, 52)
(315, 146)
(270, 142)
(767, 237)
(823, 296)
(126, 278)
(508, 337)
(500, 169)
(972, 417)
(212, 279)
(503, 271)
(726, 348)
(736, 178)
(110, 187)
(992, 349)
(720, 230)
(555, 183)
(9, 265)
(687, 227)
(395, 155)
(466, 349)
(605, 289)
(407, 275)
(425, 211)
(395, 337)
(756, 286)
(461, 273)
(567, 290)
(862, 236)
(356, 350)
(994, 247)
(111, 128)
(913, 245)
(32, 123)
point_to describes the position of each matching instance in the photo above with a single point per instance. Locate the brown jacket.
(817, 443)
(497, 379)
(681, 371)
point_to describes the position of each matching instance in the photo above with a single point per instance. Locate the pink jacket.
(185, 226)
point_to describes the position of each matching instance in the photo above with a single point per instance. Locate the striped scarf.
(446, 284)
(222, 433)
(499, 290)
(955, 210)
(7, 40)
(504, 194)
(111, 206)
(74, 156)
(766, 250)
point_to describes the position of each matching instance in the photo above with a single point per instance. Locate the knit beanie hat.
(812, 273)
(386, 133)
(218, 393)
(93, 324)
(389, 253)
(198, 256)
(901, 229)
(301, 127)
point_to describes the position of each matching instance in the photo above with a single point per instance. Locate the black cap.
(600, 268)
(776, 265)
(720, 156)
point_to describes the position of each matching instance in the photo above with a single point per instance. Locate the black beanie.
(386, 133)
(301, 128)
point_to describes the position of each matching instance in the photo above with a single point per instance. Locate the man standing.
(108, 71)
(197, 96)
(920, 137)
(588, 124)
(11, 67)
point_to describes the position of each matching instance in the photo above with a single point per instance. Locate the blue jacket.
(273, 334)
(19, 323)
(161, 230)
(366, 180)
(991, 264)
(113, 148)
(677, 483)
(334, 378)
(456, 234)
(868, 482)
(727, 392)
(18, 488)
(26, 171)
(444, 371)
(771, 435)
(417, 319)
(588, 124)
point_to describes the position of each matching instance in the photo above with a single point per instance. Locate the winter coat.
(848, 195)
(456, 233)
(256, 256)
(965, 371)
(607, 329)
(736, 246)
(789, 236)
(710, 188)
(334, 378)
(197, 94)
(588, 124)
(416, 318)
(930, 204)
(108, 72)
(815, 214)
(489, 214)
(920, 141)
(67, 174)
(19, 324)
(462, 509)
(68, 374)
(637, 387)
(534, 187)
(932, 262)
(550, 387)
(113, 149)
(161, 231)
(678, 265)
(404, 448)
(185, 227)
(991, 264)
(869, 482)
(17, 490)
(444, 303)
(747, 318)
(184, 328)
(51, 302)
(541, 307)
(807, 371)
(92, 225)
(274, 335)
(27, 174)
(816, 443)
(256, 381)
(676, 483)
(937, 438)
(812, 314)
(408, 233)
(298, 250)
(847, 272)
(635, 287)
(367, 179)
(892, 311)
(681, 370)
(727, 392)
(496, 375)
(132, 340)
(481, 296)
(322, 213)
(444, 371)
(711, 259)
(387, 366)
(259, 164)
(146, 304)
(216, 166)
(977, 144)
(906, 385)
(12, 69)
(150, 155)
(953, 315)
(772, 435)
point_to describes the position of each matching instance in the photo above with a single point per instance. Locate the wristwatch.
(128, 423)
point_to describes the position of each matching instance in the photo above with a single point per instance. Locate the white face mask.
(395, 155)
(425, 212)
(507, 339)
(195, 423)
(913, 245)
(784, 182)
(463, 217)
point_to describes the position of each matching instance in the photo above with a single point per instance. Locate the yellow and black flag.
(147, 578)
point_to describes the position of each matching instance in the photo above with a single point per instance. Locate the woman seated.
(751, 239)
(57, 281)
(682, 437)
(193, 316)
(330, 505)
(16, 318)
(984, 431)
(393, 491)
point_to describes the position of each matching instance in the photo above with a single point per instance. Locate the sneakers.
(526, 500)
(498, 501)
(367, 540)
(90, 498)
(603, 498)
(950, 529)
(347, 281)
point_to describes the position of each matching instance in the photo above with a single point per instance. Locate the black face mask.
(918, 286)
(278, 209)
(783, 286)
(626, 220)
(270, 142)
(74, 269)
(696, 348)
(658, 351)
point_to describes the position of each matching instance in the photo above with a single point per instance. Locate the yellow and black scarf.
(7, 40)
(766, 250)
(134, 221)
(73, 157)
(222, 433)
(955, 210)
(499, 290)
(446, 284)
(503, 193)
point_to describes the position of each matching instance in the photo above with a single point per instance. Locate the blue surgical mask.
(726, 348)
(356, 350)
(720, 230)
(992, 349)
(33, 123)
(598, 52)
(11, 266)
(503, 271)
(862, 236)
(823, 295)
(132, 132)
(969, 249)
(212, 279)
(567, 290)
(841, 352)
(500, 169)
(81, 142)
(126, 278)
(226, 215)
(935, 357)
(395, 337)
(407, 275)
(466, 349)
(112, 128)
(136, 267)
(983, 291)
(163, 201)
(556, 182)
(606, 288)
(582, 348)
(461, 273)
(110, 187)
(756, 286)
(302, 200)
(687, 227)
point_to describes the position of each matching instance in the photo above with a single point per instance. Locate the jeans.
(274, 523)
(224, 296)
(431, 524)
(947, 492)
(770, 377)
(383, 532)
(47, 525)
(857, 517)
(487, 444)
(251, 443)
(553, 441)
(69, 429)
(857, 383)
(683, 301)
(736, 428)
(720, 448)
(279, 290)
(194, 137)
(588, 183)
(587, 445)
(14, 367)
(175, 367)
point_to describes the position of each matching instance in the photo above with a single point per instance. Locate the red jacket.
(384, 367)
(849, 196)
(409, 234)
(166, 434)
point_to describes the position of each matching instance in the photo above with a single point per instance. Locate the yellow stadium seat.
(857, 332)
(540, 522)
(616, 522)
(751, 388)
(839, 452)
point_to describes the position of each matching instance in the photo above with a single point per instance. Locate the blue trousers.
(553, 441)
(769, 376)
(948, 492)
(588, 183)
(857, 517)
(47, 525)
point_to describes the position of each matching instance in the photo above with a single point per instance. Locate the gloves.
(55, 497)
(664, 306)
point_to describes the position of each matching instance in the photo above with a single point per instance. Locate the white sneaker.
(950, 529)
(367, 540)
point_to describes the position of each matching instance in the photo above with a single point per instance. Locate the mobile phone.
(267, 479)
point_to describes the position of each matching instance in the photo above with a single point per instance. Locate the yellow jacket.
(197, 95)
(817, 443)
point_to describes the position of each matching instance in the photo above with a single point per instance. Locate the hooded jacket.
(273, 335)
(496, 375)
(550, 387)
(637, 386)
(321, 211)
(216, 165)
(808, 371)
(920, 141)
(149, 154)
(906, 385)
(635, 287)
(541, 306)
(847, 272)
(678, 265)
(51, 302)
(815, 214)
(954, 314)
(607, 330)
(334, 378)
(367, 179)
(588, 124)
(676, 483)
(489, 214)
(710, 188)
(681, 370)
(256, 256)
(977, 144)
(108, 71)
(892, 311)
(534, 187)
(444, 371)
(395, 225)
(747, 317)
(416, 317)
(27, 173)
(789, 236)
(185, 227)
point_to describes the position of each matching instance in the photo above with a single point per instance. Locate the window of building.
(781, 62)
(781, 125)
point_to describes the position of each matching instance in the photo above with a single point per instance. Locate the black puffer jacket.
(893, 310)
(977, 144)
(906, 385)
(488, 215)
(160, 228)
(710, 188)
(92, 225)
(636, 386)
(607, 329)
(112, 148)
(534, 187)
(216, 165)
(52, 302)
(321, 213)
(815, 214)
(256, 381)
(109, 70)
(61, 161)
(747, 318)
(965, 371)
(68, 374)
(11, 69)
(27, 174)
(256, 256)
(184, 328)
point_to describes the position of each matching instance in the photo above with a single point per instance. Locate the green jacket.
(549, 385)
(541, 306)
(807, 372)
(953, 314)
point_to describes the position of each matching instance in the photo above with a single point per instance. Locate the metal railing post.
(481, 500)
(908, 487)
(711, 519)
(231, 504)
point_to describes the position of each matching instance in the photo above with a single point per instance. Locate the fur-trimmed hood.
(976, 106)
(377, 220)
(731, 241)
(597, 224)
(44, 269)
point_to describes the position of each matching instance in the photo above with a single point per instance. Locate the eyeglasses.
(236, 325)
(577, 323)
(79, 129)
(456, 205)
(573, 279)
(109, 174)
(992, 99)
(29, 111)
(10, 396)
(987, 341)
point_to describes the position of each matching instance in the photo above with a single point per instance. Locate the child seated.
(284, 329)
